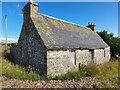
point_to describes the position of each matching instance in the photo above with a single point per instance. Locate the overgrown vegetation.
(108, 70)
(14, 71)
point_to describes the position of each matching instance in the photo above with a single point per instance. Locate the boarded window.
(72, 57)
(91, 56)
(75, 57)
(104, 52)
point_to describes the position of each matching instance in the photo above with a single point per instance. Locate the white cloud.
(9, 40)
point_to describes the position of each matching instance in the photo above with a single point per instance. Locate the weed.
(92, 70)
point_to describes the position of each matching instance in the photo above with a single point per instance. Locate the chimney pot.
(91, 26)
(31, 1)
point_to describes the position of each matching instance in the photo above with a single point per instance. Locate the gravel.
(86, 82)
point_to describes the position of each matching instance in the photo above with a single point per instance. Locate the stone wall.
(101, 55)
(60, 62)
(37, 51)
(30, 50)
(83, 57)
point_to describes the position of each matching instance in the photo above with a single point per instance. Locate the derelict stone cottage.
(54, 46)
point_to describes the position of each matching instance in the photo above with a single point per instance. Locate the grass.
(105, 71)
(14, 71)
(103, 85)
(108, 69)
(76, 75)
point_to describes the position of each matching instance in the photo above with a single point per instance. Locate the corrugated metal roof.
(57, 33)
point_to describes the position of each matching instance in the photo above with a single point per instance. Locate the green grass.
(103, 85)
(76, 75)
(108, 70)
(14, 71)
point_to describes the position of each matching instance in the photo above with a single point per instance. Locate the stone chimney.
(29, 10)
(91, 26)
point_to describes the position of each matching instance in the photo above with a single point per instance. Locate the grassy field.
(106, 71)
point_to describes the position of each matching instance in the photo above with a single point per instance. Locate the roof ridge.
(63, 20)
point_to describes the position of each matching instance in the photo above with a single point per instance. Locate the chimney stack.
(29, 10)
(91, 26)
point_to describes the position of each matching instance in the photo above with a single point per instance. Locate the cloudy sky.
(103, 14)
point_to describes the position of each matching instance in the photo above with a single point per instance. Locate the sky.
(103, 14)
(119, 19)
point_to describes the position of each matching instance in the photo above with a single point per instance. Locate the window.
(72, 57)
(104, 52)
(91, 55)
(75, 57)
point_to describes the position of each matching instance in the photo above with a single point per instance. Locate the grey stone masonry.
(60, 62)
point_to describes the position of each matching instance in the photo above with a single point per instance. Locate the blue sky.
(103, 14)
